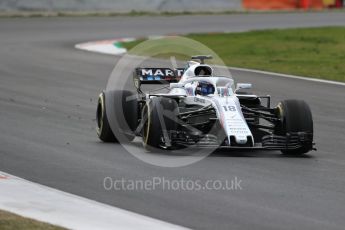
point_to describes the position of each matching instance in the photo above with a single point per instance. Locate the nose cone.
(233, 121)
(233, 140)
(241, 140)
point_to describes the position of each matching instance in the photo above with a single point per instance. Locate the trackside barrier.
(291, 4)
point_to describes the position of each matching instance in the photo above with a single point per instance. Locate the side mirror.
(243, 86)
(176, 85)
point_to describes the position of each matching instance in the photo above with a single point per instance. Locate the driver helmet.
(204, 88)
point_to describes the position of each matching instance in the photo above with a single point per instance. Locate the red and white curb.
(112, 47)
(56, 207)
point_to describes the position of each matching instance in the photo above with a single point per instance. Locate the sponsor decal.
(200, 100)
(157, 72)
(179, 72)
(190, 91)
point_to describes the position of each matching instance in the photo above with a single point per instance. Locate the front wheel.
(160, 117)
(296, 117)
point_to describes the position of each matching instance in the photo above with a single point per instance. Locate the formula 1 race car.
(202, 110)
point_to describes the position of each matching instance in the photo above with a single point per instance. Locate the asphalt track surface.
(48, 93)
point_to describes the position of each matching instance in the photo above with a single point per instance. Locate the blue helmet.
(204, 88)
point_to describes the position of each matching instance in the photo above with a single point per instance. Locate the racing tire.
(104, 131)
(295, 116)
(124, 116)
(160, 116)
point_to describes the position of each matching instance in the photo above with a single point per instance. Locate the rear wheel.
(160, 117)
(295, 117)
(117, 116)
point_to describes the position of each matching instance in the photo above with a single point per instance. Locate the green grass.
(310, 52)
(9, 221)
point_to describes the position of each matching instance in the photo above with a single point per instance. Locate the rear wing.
(156, 76)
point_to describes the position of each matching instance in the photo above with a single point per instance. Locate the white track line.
(107, 47)
(288, 76)
(67, 210)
